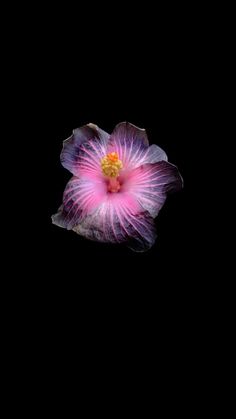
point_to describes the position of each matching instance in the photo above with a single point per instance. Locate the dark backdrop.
(148, 79)
(147, 75)
(151, 91)
(152, 88)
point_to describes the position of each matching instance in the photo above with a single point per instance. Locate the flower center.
(111, 166)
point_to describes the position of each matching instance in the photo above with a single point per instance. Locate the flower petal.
(119, 219)
(128, 131)
(80, 198)
(131, 144)
(150, 183)
(71, 146)
(89, 159)
(153, 154)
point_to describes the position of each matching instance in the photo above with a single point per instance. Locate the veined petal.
(71, 146)
(127, 131)
(128, 140)
(153, 154)
(119, 219)
(150, 183)
(81, 197)
(131, 144)
(89, 159)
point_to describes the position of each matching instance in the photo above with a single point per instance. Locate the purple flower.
(118, 187)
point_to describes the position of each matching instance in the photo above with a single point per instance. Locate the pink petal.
(131, 144)
(89, 159)
(119, 219)
(150, 183)
(71, 146)
(81, 197)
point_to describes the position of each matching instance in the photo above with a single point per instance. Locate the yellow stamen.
(111, 164)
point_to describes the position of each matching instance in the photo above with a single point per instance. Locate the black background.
(150, 78)
(82, 70)
(80, 311)
(152, 87)
(153, 90)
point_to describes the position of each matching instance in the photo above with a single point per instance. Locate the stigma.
(111, 165)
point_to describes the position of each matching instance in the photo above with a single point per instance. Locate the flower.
(118, 187)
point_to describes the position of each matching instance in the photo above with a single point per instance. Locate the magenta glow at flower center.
(119, 185)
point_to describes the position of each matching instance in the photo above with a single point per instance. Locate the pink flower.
(118, 187)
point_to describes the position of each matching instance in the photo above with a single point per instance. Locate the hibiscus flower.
(118, 187)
